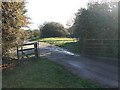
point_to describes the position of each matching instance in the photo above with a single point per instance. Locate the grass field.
(58, 41)
(42, 73)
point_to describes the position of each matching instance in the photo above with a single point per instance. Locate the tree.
(13, 20)
(52, 29)
(98, 21)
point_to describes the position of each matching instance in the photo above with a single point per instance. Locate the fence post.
(35, 50)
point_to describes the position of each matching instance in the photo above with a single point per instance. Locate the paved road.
(104, 72)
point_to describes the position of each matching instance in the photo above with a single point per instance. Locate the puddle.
(60, 50)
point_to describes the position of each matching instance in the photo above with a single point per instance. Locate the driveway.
(104, 72)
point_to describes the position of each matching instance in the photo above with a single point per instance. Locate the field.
(58, 41)
(42, 73)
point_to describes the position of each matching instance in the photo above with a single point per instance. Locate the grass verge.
(42, 73)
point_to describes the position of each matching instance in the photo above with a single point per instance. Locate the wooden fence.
(104, 47)
(26, 51)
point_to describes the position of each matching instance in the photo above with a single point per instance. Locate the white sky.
(60, 11)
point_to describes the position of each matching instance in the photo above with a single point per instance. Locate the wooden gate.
(102, 47)
(27, 51)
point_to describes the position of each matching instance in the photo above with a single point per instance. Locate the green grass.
(42, 73)
(57, 38)
(58, 41)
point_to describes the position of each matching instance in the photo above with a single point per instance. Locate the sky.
(62, 11)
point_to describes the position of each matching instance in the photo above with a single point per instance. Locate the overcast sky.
(61, 11)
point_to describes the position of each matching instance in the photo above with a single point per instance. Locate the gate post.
(36, 50)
